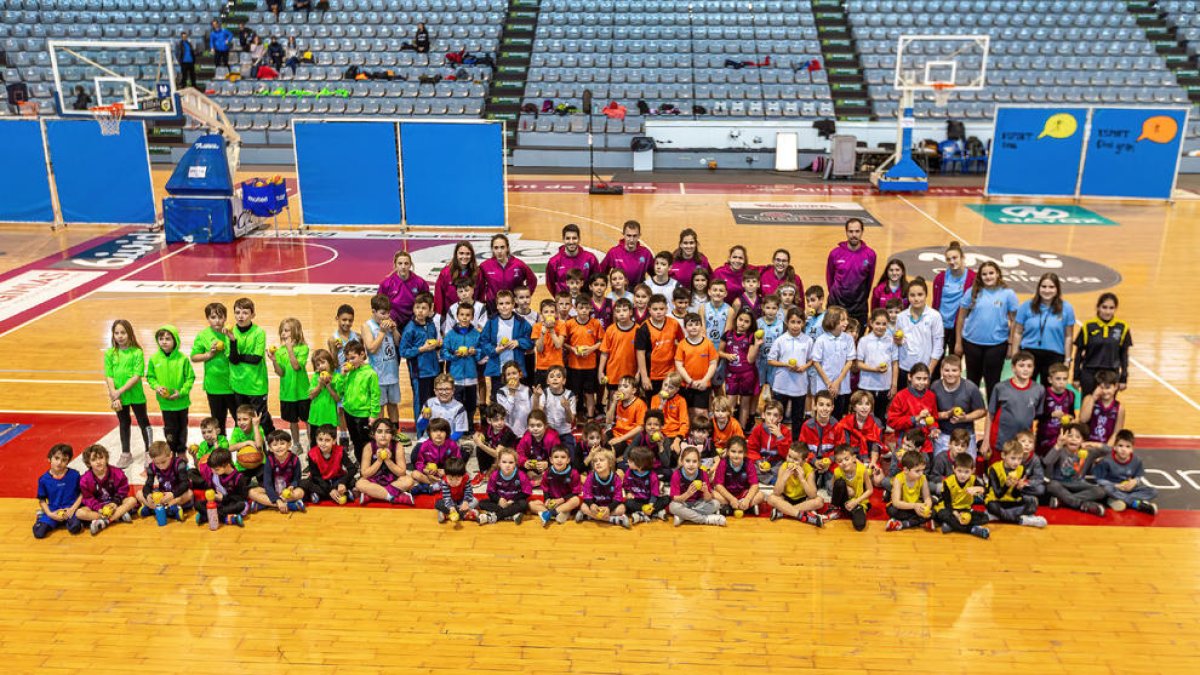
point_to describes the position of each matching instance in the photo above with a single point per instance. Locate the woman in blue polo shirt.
(984, 327)
(950, 288)
(1045, 326)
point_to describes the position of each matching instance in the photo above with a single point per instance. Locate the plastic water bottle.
(214, 518)
(160, 514)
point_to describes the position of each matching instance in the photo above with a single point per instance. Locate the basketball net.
(109, 118)
(941, 93)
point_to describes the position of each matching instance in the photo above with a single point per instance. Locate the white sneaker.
(562, 518)
(123, 462)
(1117, 505)
(487, 518)
(678, 521)
(717, 520)
(98, 525)
(1033, 521)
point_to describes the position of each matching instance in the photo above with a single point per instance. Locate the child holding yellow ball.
(167, 483)
(105, 491)
(280, 481)
(691, 497)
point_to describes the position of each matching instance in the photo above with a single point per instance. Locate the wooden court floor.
(366, 590)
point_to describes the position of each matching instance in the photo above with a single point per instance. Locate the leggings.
(143, 420)
(659, 503)
(175, 423)
(220, 405)
(1042, 360)
(841, 495)
(794, 404)
(985, 363)
(950, 517)
(1011, 512)
(360, 432)
(695, 512)
(231, 505)
(504, 512)
(468, 396)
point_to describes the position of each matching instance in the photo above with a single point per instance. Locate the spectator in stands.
(733, 271)
(220, 40)
(185, 56)
(629, 256)
(83, 100)
(258, 52)
(421, 39)
(275, 53)
(302, 6)
(504, 272)
(570, 256)
(245, 35)
(849, 272)
(273, 6)
(687, 258)
(291, 54)
(780, 272)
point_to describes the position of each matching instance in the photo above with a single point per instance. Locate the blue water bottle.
(160, 514)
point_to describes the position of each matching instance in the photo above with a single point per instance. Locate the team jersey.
(856, 484)
(659, 345)
(98, 492)
(675, 415)
(549, 355)
(913, 494)
(323, 409)
(1048, 425)
(561, 485)
(641, 485)
(681, 479)
(513, 486)
(721, 436)
(736, 479)
(59, 492)
(248, 379)
(293, 386)
(603, 491)
(739, 346)
(997, 477)
(173, 479)
(622, 355)
(216, 369)
(715, 321)
(1103, 422)
(956, 495)
(580, 334)
(696, 358)
(628, 415)
(793, 487)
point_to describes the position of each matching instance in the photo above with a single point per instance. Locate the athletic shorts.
(697, 398)
(583, 381)
(742, 383)
(294, 411)
(389, 393)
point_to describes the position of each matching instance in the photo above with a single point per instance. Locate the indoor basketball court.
(389, 589)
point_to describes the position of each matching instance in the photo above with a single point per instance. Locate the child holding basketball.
(212, 349)
(384, 471)
(360, 395)
(124, 365)
(247, 362)
(797, 498)
(330, 473)
(561, 489)
(167, 483)
(643, 497)
(508, 491)
(735, 482)
(225, 486)
(691, 496)
(289, 360)
(280, 484)
(381, 338)
(911, 504)
(58, 495)
(105, 491)
(170, 374)
(247, 435)
(603, 492)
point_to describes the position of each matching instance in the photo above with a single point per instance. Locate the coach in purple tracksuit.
(629, 256)
(849, 272)
(402, 287)
(570, 256)
(503, 272)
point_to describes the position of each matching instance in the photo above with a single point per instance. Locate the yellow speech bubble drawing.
(1160, 129)
(1060, 125)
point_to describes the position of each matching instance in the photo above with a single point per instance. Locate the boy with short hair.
(661, 282)
(58, 495)
(248, 363)
(170, 374)
(582, 338)
(957, 514)
(618, 353)
(1006, 498)
(381, 337)
(212, 349)
(1101, 410)
(681, 300)
(655, 343)
(229, 489)
(547, 342)
(247, 434)
(1067, 466)
(769, 443)
(461, 352)
(210, 439)
(1121, 475)
(330, 472)
(505, 338)
(717, 316)
(814, 309)
(1013, 406)
(1058, 411)
(420, 344)
(696, 362)
(457, 501)
(911, 504)
(851, 487)
(944, 462)
(343, 335)
(167, 483)
(360, 395)
(771, 325)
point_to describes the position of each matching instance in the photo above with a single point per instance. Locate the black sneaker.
(1146, 506)
(1094, 508)
(1053, 503)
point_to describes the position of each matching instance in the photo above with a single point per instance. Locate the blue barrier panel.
(101, 179)
(347, 173)
(24, 183)
(1133, 152)
(453, 174)
(1035, 151)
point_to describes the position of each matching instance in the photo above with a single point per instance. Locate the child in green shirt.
(212, 349)
(323, 390)
(290, 360)
(171, 376)
(248, 365)
(124, 365)
(360, 395)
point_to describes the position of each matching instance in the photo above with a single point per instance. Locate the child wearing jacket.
(170, 375)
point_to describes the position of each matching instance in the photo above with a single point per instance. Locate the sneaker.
(1117, 505)
(580, 516)
(1094, 508)
(199, 518)
(363, 499)
(726, 510)
(300, 505)
(314, 498)
(486, 518)
(547, 517)
(98, 525)
(775, 514)
(236, 519)
(717, 520)
(833, 514)
(623, 521)
(562, 518)
(255, 507)
(127, 517)
(678, 521)
(662, 515)
(177, 514)
(753, 510)
(403, 498)
(471, 515)
(1054, 504)
(811, 518)
(637, 518)
(894, 525)
(145, 512)
(441, 517)
(123, 462)
(1033, 521)
(1142, 505)
(946, 528)
(929, 525)
(517, 518)
(981, 532)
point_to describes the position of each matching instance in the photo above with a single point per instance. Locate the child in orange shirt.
(626, 413)
(696, 362)
(582, 338)
(655, 343)
(674, 409)
(618, 356)
(547, 342)
(725, 426)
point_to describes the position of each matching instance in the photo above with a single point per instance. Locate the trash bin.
(643, 153)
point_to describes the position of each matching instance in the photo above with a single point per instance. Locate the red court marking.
(358, 262)
(798, 189)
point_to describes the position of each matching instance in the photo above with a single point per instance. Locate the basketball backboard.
(140, 75)
(927, 62)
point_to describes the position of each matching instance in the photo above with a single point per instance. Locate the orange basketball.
(250, 458)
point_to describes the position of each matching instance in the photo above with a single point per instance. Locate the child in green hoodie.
(170, 375)
(360, 395)
(124, 366)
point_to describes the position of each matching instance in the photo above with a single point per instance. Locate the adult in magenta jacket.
(402, 287)
(687, 258)
(950, 292)
(503, 272)
(849, 272)
(780, 272)
(733, 271)
(462, 266)
(570, 256)
(629, 256)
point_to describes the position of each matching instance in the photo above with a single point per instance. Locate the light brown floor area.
(385, 591)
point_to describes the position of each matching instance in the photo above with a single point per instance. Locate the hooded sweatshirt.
(636, 264)
(562, 263)
(173, 371)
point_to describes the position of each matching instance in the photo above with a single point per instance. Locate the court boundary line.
(1138, 364)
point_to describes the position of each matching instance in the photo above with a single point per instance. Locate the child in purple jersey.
(167, 483)
(735, 483)
(384, 471)
(279, 484)
(429, 459)
(1101, 410)
(751, 297)
(105, 491)
(1058, 411)
(603, 492)
(561, 489)
(508, 491)
(228, 488)
(602, 305)
(691, 497)
(643, 497)
(659, 444)
(534, 448)
(740, 347)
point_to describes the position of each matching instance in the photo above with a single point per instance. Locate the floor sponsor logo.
(800, 213)
(1039, 214)
(1021, 267)
(115, 254)
(27, 290)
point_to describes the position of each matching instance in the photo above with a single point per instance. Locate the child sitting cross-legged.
(603, 493)
(561, 489)
(735, 481)
(643, 497)
(280, 481)
(959, 491)
(795, 494)
(912, 505)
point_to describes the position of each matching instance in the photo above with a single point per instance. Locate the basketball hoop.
(941, 93)
(28, 108)
(109, 118)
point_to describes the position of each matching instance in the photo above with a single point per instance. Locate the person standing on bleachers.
(421, 39)
(185, 56)
(220, 40)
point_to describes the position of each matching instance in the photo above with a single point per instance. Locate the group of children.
(619, 406)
